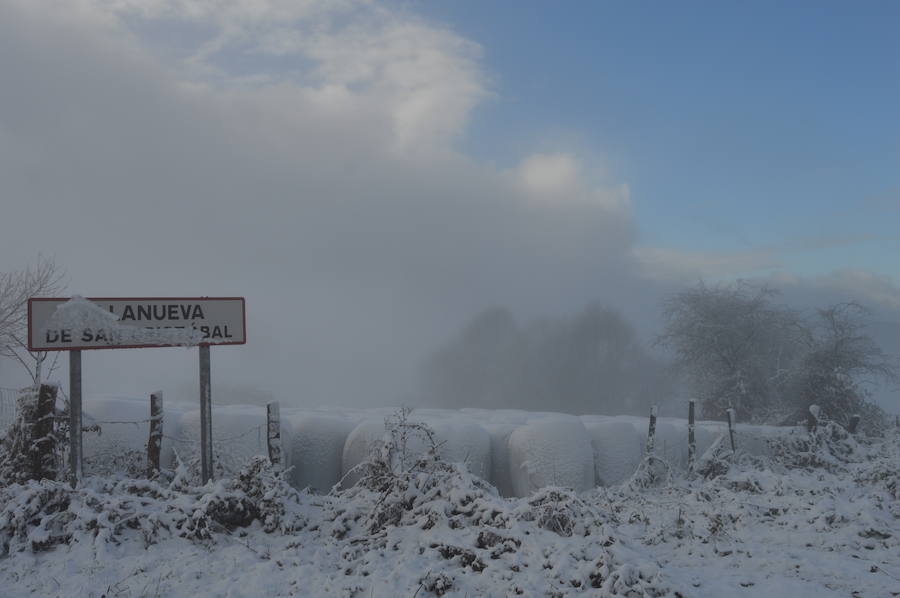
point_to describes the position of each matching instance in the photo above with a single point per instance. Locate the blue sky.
(737, 126)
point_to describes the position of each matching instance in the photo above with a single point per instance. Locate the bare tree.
(842, 363)
(44, 278)
(737, 348)
(741, 351)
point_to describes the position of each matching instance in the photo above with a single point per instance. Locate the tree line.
(730, 346)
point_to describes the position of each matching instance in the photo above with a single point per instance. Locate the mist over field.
(323, 160)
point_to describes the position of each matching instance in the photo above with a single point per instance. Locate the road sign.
(59, 324)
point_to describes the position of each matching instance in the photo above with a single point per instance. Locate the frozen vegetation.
(800, 515)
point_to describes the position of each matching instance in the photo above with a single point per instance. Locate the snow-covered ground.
(814, 516)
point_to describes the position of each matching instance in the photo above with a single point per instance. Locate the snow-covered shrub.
(34, 446)
(271, 494)
(456, 441)
(40, 515)
(560, 511)
(34, 516)
(829, 447)
(406, 477)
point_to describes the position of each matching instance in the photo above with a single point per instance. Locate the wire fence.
(118, 446)
(7, 407)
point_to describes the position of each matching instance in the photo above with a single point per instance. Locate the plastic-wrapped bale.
(459, 441)
(501, 477)
(317, 449)
(116, 434)
(706, 434)
(551, 452)
(466, 442)
(756, 440)
(238, 433)
(672, 443)
(618, 449)
(365, 438)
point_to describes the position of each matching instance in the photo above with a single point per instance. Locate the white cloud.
(560, 177)
(421, 79)
(329, 194)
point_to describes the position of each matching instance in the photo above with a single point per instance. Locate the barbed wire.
(135, 422)
(258, 429)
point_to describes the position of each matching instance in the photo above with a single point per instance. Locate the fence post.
(273, 432)
(651, 432)
(812, 418)
(692, 442)
(730, 413)
(154, 442)
(43, 441)
(854, 423)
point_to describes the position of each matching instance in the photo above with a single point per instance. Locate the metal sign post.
(205, 416)
(76, 470)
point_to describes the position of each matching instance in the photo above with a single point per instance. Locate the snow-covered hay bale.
(706, 435)
(618, 449)
(501, 477)
(365, 438)
(748, 439)
(756, 440)
(238, 433)
(462, 441)
(458, 440)
(551, 452)
(671, 443)
(317, 449)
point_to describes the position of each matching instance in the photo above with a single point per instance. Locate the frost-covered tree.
(736, 347)
(43, 279)
(739, 349)
(842, 362)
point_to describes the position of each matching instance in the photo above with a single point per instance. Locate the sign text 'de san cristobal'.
(139, 322)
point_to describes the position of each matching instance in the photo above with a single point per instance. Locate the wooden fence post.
(651, 432)
(273, 433)
(730, 413)
(154, 442)
(812, 418)
(43, 440)
(692, 442)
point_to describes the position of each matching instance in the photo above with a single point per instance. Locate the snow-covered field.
(814, 516)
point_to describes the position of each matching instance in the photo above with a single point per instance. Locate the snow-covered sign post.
(75, 324)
